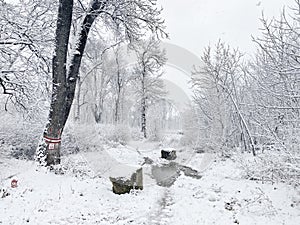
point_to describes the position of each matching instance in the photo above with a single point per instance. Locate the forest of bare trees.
(106, 65)
(149, 112)
(253, 105)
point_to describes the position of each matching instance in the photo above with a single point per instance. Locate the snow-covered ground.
(83, 193)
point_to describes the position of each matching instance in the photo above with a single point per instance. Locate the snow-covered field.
(82, 192)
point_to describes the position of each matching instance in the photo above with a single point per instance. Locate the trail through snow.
(82, 193)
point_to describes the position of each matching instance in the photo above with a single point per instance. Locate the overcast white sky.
(193, 24)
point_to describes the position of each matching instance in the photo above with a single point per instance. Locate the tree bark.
(49, 148)
(143, 119)
(143, 107)
(64, 80)
(73, 70)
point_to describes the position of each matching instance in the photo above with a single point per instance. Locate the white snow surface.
(83, 194)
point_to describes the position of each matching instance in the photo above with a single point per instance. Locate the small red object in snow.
(14, 183)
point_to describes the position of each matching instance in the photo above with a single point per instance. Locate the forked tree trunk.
(64, 79)
(49, 148)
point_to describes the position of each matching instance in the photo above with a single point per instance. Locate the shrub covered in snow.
(119, 133)
(136, 134)
(272, 167)
(172, 139)
(190, 128)
(19, 138)
(112, 133)
(155, 134)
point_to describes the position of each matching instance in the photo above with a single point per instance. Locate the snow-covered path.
(162, 214)
(82, 195)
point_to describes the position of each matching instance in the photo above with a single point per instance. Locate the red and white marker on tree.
(52, 142)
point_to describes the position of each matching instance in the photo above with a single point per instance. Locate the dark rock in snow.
(168, 153)
(122, 185)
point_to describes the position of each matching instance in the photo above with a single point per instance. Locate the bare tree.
(148, 72)
(25, 41)
(220, 76)
(276, 76)
(90, 82)
(271, 98)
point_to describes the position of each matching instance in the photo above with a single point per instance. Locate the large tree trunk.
(97, 112)
(118, 101)
(75, 62)
(49, 148)
(143, 118)
(143, 109)
(143, 105)
(64, 80)
(119, 86)
(117, 109)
